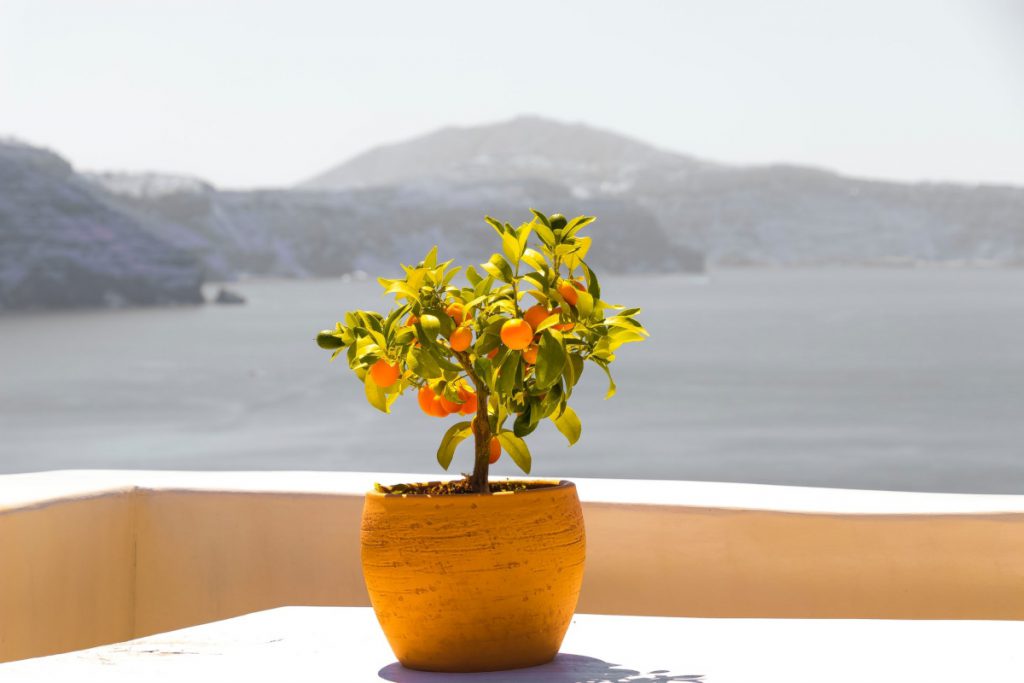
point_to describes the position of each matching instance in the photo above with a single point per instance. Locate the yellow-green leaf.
(569, 424)
(510, 245)
(550, 358)
(376, 396)
(430, 260)
(534, 259)
(517, 449)
(451, 439)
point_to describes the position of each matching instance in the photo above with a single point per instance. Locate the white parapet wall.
(92, 557)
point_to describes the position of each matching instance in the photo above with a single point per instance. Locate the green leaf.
(521, 425)
(498, 227)
(451, 439)
(422, 364)
(546, 235)
(405, 336)
(575, 258)
(523, 235)
(517, 449)
(534, 259)
(548, 322)
(593, 286)
(449, 275)
(486, 343)
(577, 224)
(376, 396)
(611, 382)
(550, 401)
(506, 375)
(541, 217)
(569, 424)
(510, 245)
(430, 260)
(472, 276)
(498, 267)
(483, 368)
(537, 279)
(326, 339)
(401, 288)
(550, 358)
(527, 420)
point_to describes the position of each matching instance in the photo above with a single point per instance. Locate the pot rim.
(553, 484)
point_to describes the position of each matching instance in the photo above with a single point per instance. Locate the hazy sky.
(268, 93)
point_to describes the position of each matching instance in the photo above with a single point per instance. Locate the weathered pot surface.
(474, 582)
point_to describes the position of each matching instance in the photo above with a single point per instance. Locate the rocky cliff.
(61, 246)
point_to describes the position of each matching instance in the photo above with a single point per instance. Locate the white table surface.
(345, 644)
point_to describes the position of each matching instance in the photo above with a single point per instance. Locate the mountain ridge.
(775, 214)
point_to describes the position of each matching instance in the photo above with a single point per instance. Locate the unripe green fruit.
(557, 221)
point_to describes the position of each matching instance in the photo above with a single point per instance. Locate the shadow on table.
(564, 668)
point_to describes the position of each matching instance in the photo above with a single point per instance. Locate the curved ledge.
(92, 557)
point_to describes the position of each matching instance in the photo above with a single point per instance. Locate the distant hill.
(94, 239)
(767, 215)
(584, 159)
(61, 246)
(302, 233)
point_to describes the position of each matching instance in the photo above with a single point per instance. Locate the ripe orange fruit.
(569, 292)
(469, 401)
(456, 312)
(516, 334)
(535, 315)
(412, 320)
(494, 446)
(461, 338)
(530, 354)
(449, 406)
(430, 403)
(384, 374)
(492, 353)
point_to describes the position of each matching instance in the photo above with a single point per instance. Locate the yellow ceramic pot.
(474, 582)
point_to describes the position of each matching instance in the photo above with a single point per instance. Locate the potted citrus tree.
(472, 574)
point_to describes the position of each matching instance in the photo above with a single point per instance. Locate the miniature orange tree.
(487, 350)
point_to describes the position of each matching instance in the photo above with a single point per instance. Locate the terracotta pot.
(474, 582)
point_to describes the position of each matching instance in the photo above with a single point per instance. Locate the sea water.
(861, 378)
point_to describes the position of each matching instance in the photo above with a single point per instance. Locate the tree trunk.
(482, 441)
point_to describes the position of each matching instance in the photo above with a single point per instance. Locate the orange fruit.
(456, 312)
(469, 402)
(449, 406)
(461, 338)
(494, 446)
(492, 353)
(430, 402)
(530, 354)
(568, 292)
(412, 320)
(516, 334)
(384, 374)
(535, 315)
